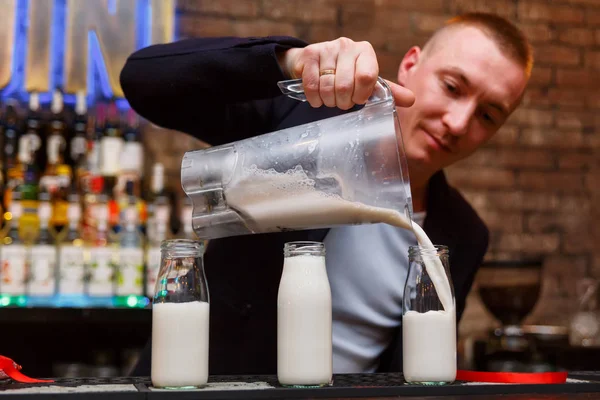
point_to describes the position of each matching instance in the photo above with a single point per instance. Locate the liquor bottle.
(111, 146)
(132, 164)
(103, 254)
(13, 253)
(29, 153)
(12, 168)
(57, 176)
(79, 143)
(159, 211)
(29, 223)
(43, 255)
(130, 274)
(71, 262)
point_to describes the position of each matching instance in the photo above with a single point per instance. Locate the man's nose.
(458, 117)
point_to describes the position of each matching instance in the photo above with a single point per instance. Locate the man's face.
(465, 89)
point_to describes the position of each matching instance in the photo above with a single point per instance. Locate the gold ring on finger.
(327, 72)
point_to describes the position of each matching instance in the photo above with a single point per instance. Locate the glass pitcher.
(316, 175)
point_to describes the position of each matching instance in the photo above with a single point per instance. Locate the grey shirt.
(367, 267)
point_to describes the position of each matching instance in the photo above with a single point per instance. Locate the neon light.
(14, 88)
(98, 84)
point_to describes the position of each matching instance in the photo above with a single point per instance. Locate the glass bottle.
(13, 253)
(43, 256)
(428, 330)
(304, 317)
(180, 317)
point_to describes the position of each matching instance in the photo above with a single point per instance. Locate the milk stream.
(180, 344)
(270, 201)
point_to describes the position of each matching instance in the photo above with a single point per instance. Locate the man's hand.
(339, 73)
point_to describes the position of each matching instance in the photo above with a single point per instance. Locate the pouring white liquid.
(180, 344)
(272, 201)
(304, 323)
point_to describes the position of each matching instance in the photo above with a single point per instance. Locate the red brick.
(577, 78)
(577, 36)
(322, 33)
(421, 5)
(555, 222)
(557, 55)
(540, 76)
(579, 161)
(532, 117)
(592, 59)
(246, 8)
(505, 8)
(565, 97)
(592, 181)
(574, 120)
(516, 200)
(579, 242)
(564, 271)
(593, 100)
(487, 178)
(503, 221)
(579, 203)
(264, 28)
(427, 23)
(309, 11)
(551, 181)
(593, 141)
(538, 11)
(582, 2)
(551, 138)
(511, 158)
(528, 243)
(194, 26)
(536, 97)
(593, 17)
(596, 266)
(537, 33)
(506, 136)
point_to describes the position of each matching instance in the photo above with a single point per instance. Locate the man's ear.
(411, 58)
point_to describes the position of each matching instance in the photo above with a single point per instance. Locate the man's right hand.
(339, 73)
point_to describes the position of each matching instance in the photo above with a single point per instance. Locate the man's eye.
(488, 118)
(451, 88)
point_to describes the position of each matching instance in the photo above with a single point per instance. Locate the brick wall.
(537, 182)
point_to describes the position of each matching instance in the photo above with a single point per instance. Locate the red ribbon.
(11, 368)
(512, 377)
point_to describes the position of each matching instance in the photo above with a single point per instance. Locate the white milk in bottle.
(304, 317)
(180, 344)
(272, 201)
(180, 317)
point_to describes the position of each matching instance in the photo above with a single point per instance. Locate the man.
(466, 81)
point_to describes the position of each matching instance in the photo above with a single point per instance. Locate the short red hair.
(507, 36)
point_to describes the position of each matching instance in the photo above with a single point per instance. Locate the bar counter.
(579, 385)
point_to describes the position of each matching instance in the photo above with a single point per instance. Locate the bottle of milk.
(180, 317)
(304, 344)
(428, 330)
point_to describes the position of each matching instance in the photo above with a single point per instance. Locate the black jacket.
(222, 90)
